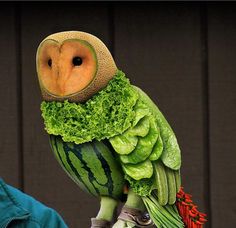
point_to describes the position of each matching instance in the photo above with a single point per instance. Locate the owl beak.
(61, 87)
(63, 76)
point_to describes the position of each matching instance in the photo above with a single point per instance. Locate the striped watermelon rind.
(93, 166)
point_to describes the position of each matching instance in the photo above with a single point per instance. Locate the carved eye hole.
(77, 61)
(50, 62)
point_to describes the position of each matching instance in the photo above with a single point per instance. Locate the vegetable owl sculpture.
(109, 136)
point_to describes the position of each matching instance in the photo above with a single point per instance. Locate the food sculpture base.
(109, 136)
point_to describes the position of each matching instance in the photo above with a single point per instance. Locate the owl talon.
(100, 223)
(137, 217)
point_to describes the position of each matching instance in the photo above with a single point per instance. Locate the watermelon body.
(93, 166)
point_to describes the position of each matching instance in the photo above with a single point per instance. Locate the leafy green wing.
(136, 144)
(171, 156)
(149, 152)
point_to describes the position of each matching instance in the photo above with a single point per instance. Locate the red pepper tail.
(191, 217)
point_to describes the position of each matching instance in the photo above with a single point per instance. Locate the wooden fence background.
(182, 54)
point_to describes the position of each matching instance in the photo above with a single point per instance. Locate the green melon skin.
(91, 165)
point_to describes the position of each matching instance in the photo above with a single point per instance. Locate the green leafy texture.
(157, 150)
(141, 129)
(144, 146)
(125, 143)
(108, 113)
(171, 155)
(141, 110)
(139, 171)
(141, 187)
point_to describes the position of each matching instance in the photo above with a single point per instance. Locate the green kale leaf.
(108, 113)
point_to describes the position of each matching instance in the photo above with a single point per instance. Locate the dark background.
(183, 55)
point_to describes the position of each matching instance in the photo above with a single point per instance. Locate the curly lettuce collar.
(108, 113)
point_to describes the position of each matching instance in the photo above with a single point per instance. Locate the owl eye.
(77, 61)
(50, 62)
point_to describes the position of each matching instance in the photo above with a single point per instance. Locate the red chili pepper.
(192, 213)
(200, 223)
(202, 214)
(202, 219)
(191, 217)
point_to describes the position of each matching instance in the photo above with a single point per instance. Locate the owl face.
(73, 65)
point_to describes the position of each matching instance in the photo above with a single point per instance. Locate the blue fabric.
(23, 211)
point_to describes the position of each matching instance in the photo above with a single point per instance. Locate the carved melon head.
(73, 65)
